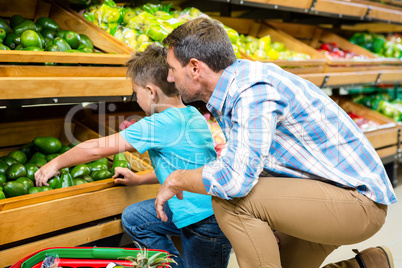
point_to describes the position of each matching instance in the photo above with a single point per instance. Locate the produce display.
(332, 50)
(151, 23)
(42, 35)
(363, 123)
(17, 169)
(389, 47)
(383, 104)
(138, 27)
(263, 49)
(217, 133)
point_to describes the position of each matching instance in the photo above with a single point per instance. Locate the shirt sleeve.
(144, 134)
(252, 128)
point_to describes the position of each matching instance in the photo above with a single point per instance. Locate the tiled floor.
(390, 235)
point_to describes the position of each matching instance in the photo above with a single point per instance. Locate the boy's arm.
(82, 153)
(129, 178)
(177, 182)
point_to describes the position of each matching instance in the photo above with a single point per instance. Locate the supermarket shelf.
(61, 71)
(62, 57)
(354, 9)
(352, 78)
(59, 87)
(70, 89)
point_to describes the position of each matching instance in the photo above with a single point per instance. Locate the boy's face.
(144, 98)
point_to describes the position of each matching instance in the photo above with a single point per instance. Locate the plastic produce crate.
(73, 257)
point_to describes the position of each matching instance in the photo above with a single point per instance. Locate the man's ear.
(195, 68)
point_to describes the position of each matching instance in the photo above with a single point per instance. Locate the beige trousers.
(310, 218)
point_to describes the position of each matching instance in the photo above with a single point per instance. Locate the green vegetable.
(12, 40)
(5, 26)
(3, 35)
(14, 188)
(47, 23)
(47, 145)
(16, 20)
(101, 175)
(15, 171)
(24, 26)
(4, 47)
(80, 170)
(31, 168)
(65, 180)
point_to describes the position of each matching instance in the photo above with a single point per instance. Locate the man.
(295, 166)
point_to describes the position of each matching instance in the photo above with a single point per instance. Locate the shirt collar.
(220, 92)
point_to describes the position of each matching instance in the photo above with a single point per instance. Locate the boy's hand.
(126, 177)
(45, 173)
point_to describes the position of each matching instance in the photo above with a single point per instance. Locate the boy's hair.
(151, 66)
(204, 39)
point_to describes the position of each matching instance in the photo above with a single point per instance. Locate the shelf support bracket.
(324, 82)
(396, 90)
(378, 79)
(132, 97)
(312, 6)
(366, 17)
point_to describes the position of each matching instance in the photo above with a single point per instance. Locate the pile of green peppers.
(382, 103)
(378, 44)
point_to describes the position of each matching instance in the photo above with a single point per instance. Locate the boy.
(176, 137)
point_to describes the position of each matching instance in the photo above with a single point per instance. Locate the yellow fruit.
(272, 54)
(236, 51)
(278, 46)
(132, 43)
(260, 54)
(142, 38)
(264, 42)
(129, 35)
(251, 48)
(143, 46)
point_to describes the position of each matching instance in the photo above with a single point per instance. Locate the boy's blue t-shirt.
(177, 138)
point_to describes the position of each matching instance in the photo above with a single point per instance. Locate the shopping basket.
(88, 257)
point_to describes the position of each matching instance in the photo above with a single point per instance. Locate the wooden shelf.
(392, 75)
(55, 217)
(354, 9)
(62, 57)
(59, 87)
(60, 71)
(25, 87)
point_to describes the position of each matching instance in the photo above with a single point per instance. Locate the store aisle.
(390, 235)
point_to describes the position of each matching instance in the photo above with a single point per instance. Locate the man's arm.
(177, 182)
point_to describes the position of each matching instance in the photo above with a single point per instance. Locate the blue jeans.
(203, 243)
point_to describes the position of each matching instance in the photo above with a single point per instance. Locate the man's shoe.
(378, 257)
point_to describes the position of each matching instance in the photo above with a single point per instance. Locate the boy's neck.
(169, 102)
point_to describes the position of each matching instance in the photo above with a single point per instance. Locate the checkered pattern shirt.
(278, 124)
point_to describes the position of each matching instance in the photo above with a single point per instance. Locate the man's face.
(181, 77)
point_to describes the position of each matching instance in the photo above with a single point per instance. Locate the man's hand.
(167, 191)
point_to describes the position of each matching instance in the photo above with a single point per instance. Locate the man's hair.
(204, 39)
(151, 66)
